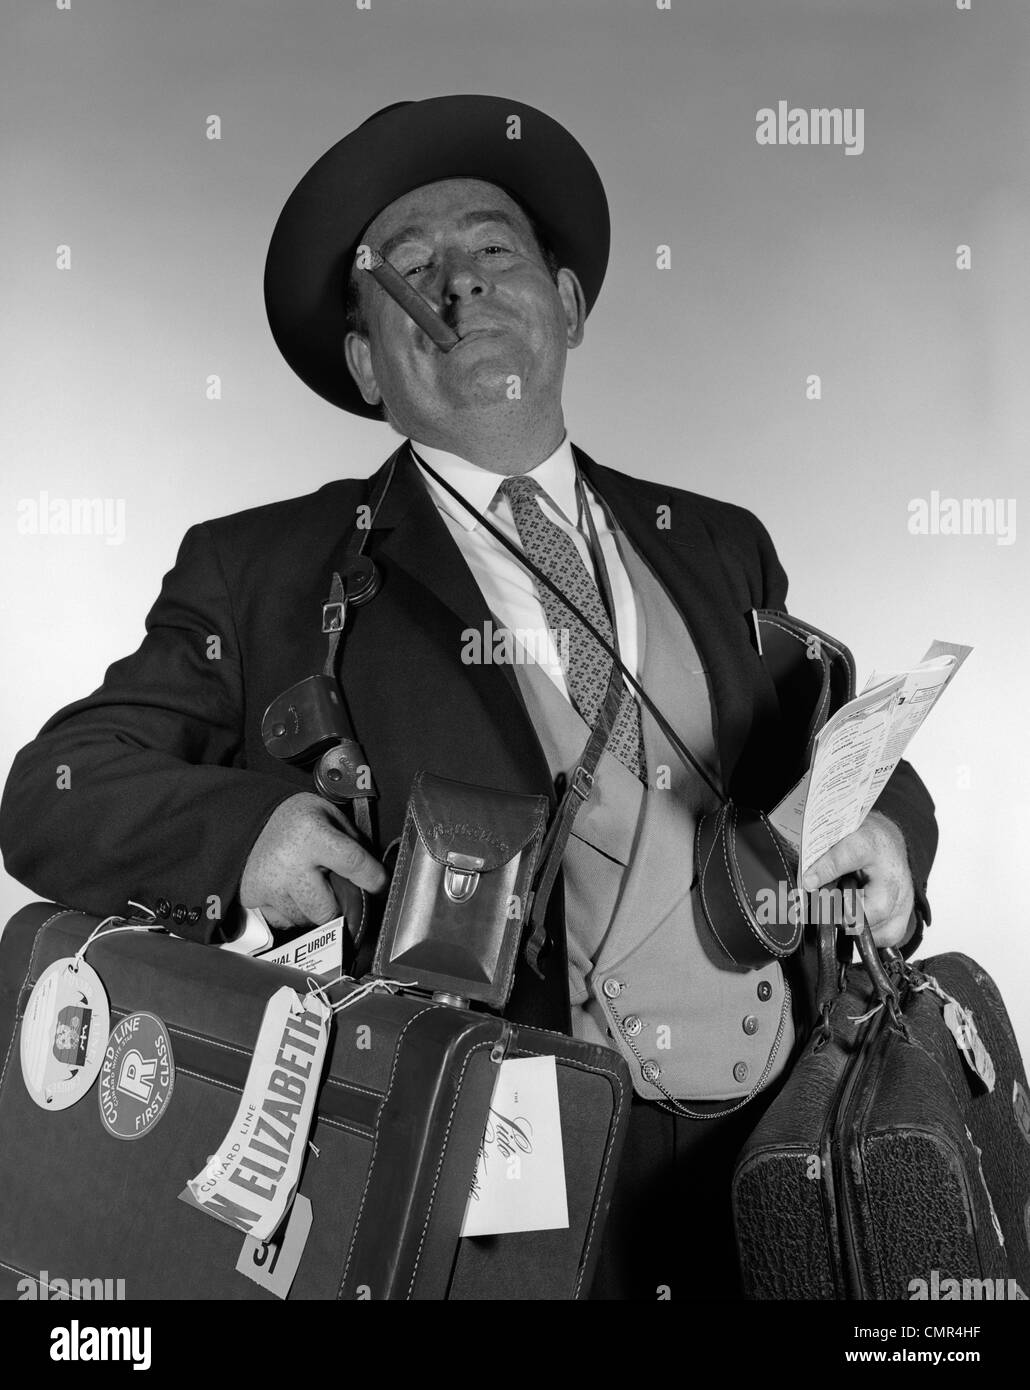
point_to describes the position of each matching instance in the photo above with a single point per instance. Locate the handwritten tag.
(519, 1183)
(963, 1029)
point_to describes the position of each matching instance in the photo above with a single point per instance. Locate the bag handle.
(878, 964)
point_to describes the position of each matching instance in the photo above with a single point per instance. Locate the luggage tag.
(962, 1026)
(64, 1033)
(66, 1023)
(137, 1076)
(519, 1183)
(251, 1181)
(273, 1264)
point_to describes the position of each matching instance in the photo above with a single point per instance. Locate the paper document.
(256, 934)
(857, 750)
(519, 1183)
(318, 952)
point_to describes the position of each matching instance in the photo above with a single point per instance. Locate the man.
(496, 216)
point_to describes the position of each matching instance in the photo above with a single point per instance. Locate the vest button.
(764, 990)
(650, 1071)
(750, 1025)
(612, 988)
(741, 1070)
(631, 1026)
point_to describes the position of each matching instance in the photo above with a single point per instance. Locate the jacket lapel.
(410, 533)
(429, 602)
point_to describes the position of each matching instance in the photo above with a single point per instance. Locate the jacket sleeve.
(904, 800)
(138, 791)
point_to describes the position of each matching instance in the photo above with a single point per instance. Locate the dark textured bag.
(885, 1166)
(393, 1145)
(461, 889)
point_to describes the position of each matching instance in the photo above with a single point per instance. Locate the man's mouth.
(480, 331)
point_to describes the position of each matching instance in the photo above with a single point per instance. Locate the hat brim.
(401, 148)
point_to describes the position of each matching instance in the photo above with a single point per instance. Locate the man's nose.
(459, 278)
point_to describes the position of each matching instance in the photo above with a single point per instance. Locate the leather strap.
(578, 790)
(360, 583)
(582, 781)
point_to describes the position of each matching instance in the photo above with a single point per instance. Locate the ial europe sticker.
(63, 1033)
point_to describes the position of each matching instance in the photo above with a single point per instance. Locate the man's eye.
(415, 270)
(494, 249)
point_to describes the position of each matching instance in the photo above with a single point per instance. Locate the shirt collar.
(478, 486)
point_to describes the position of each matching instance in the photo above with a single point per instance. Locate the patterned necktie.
(589, 666)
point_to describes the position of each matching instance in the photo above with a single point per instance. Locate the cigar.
(413, 304)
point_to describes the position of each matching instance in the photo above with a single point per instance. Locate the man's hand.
(876, 854)
(305, 838)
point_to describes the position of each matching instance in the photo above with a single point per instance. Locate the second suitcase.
(885, 1169)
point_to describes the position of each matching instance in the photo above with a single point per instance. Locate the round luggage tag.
(64, 1033)
(137, 1076)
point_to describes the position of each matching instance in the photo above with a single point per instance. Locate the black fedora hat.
(398, 149)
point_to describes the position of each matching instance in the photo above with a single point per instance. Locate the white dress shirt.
(508, 587)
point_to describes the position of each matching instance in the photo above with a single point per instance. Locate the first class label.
(137, 1076)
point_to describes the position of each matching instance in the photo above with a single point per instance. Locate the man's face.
(469, 249)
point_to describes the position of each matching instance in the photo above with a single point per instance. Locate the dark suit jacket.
(168, 783)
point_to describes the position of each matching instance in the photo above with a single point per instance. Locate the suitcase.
(885, 1168)
(393, 1146)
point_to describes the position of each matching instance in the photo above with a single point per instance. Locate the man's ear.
(358, 355)
(570, 291)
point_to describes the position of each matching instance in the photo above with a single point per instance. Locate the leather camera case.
(461, 890)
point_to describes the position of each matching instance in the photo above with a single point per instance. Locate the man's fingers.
(276, 917)
(314, 899)
(875, 879)
(850, 854)
(873, 903)
(890, 933)
(346, 857)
